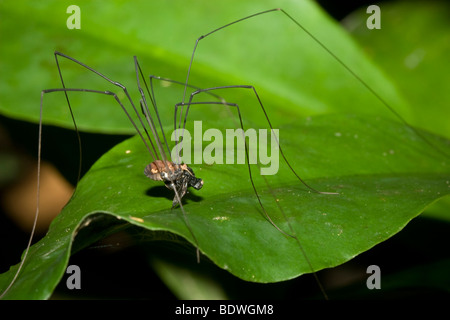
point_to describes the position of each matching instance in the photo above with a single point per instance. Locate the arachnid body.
(174, 176)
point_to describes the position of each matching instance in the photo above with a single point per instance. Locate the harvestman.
(178, 176)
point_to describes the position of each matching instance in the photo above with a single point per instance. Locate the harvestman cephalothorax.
(175, 175)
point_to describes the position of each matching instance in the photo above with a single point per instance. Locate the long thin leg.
(292, 233)
(159, 144)
(151, 151)
(222, 102)
(209, 91)
(240, 119)
(146, 111)
(152, 77)
(228, 104)
(332, 55)
(43, 92)
(66, 90)
(152, 94)
(147, 116)
(210, 33)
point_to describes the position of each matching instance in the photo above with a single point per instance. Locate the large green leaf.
(290, 70)
(384, 172)
(394, 178)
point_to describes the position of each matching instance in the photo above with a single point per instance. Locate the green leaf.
(187, 283)
(384, 172)
(290, 70)
(395, 177)
(413, 47)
